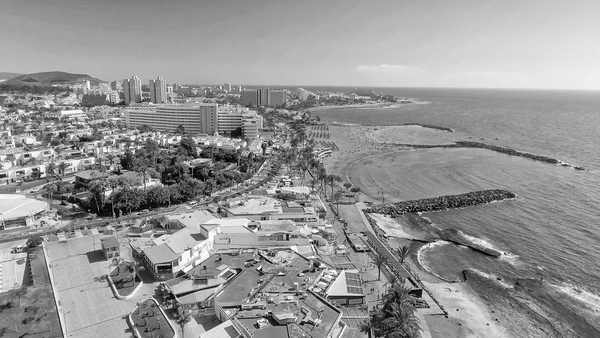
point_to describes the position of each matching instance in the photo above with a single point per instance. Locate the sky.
(552, 44)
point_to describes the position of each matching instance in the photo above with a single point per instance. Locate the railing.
(412, 273)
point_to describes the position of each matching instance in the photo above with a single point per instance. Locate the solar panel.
(353, 289)
(352, 275)
(354, 283)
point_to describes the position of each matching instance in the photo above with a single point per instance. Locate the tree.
(141, 167)
(180, 130)
(188, 147)
(395, 317)
(183, 317)
(333, 180)
(98, 189)
(264, 148)
(50, 168)
(336, 199)
(402, 253)
(379, 261)
(62, 167)
(347, 185)
(161, 221)
(50, 189)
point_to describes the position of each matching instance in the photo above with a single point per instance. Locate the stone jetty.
(430, 126)
(442, 203)
(507, 151)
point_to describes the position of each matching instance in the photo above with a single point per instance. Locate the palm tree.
(379, 261)
(183, 317)
(162, 221)
(332, 180)
(394, 279)
(402, 253)
(62, 166)
(50, 167)
(336, 199)
(50, 189)
(396, 315)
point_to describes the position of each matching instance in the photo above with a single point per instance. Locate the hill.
(7, 76)
(50, 78)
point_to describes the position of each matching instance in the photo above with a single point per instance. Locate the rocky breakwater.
(440, 203)
(430, 126)
(507, 151)
(425, 229)
(512, 152)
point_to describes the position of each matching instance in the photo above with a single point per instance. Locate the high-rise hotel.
(133, 90)
(158, 90)
(196, 118)
(264, 97)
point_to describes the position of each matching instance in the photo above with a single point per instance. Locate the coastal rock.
(449, 130)
(443, 202)
(457, 237)
(507, 151)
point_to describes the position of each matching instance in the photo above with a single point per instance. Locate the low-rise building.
(110, 247)
(260, 208)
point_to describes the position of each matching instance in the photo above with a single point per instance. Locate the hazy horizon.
(531, 44)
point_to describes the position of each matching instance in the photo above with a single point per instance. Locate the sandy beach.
(475, 307)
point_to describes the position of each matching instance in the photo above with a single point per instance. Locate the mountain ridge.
(49, 78)
(8, 75)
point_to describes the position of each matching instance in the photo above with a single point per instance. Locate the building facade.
(230, 118)
(250, 97)
(133, 90)
(197, 118)
(158, 90)
(277, 97)
(263, 97)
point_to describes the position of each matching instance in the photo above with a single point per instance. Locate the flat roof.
(17, 206)
(160, 254)
(109, 242)
(182, 239)
(223, 330)
(225, 222)
(256, 205)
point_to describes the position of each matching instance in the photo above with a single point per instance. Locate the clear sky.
(438, 43)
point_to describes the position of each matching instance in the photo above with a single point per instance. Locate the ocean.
(552, 229)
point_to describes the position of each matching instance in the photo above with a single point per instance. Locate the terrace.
(124, 279)
(149, 320)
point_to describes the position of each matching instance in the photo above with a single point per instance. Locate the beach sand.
(470, 312)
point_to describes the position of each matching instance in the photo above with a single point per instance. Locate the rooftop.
(17, 206)
(109, 242)
(182, 240)
(193, 219)
(223, 330)
(255, 205)
(347, 283)
(160, 254)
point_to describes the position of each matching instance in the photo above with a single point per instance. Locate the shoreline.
(476, 307)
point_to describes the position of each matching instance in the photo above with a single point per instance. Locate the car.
(145, 211)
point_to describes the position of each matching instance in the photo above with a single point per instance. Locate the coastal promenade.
(421, 313)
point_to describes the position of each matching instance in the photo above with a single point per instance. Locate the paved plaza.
(87, 305)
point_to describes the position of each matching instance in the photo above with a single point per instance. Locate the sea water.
(552, 230)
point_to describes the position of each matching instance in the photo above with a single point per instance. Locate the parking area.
(87, 305)
(12, 265)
